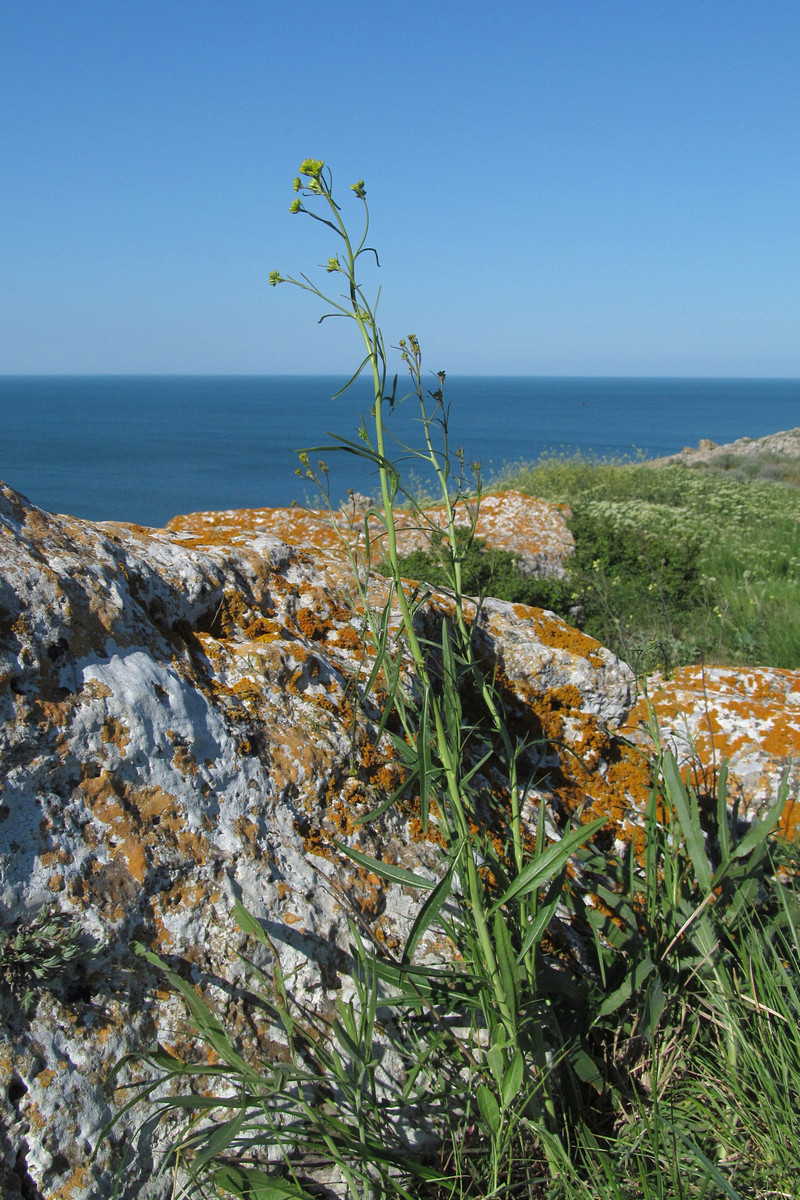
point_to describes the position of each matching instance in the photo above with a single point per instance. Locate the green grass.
(672, 565)
(674, 1066)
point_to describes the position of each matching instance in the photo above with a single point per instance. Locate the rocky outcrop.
(535, 530)
(783, 446)
(181, 729)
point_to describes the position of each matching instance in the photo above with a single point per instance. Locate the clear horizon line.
(344, 375)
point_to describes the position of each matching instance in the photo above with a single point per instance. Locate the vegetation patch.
(39, 953)
(672, 566)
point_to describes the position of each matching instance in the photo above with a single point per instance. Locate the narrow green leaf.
(473, 771)
(387, 871)
(744, 898)
(712, 1170)
(538, 925)
(723, 829)
(496, 1062)
(678, 797)
(760, 830)
(512, 1080)
(250, 1183)
(507, 963)
(350, 381)
(419, 984)
(656, 1003)
(586, 1069)
(432, 906)
(425, 1055)
(216, 1142)
(358, 449)
(537, 872)
(386, 803)
(208, 1025)
(424, 763)
(633, 981)
(652, 835)
(391, 669)
(249, 924)
(450, 693)
(348, 1042)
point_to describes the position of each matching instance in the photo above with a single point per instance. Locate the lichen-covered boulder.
(748, 716)
(181, 730)
(535, 530)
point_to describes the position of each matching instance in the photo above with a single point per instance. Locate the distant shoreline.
(782, 445)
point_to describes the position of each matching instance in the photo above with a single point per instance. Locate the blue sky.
(558, 187)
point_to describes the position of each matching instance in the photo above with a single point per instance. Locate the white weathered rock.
(179, 731)
(783, 445)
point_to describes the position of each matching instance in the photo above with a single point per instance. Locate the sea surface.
(146, 448)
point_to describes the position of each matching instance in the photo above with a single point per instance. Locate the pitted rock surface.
(749, 717)
(180, 730)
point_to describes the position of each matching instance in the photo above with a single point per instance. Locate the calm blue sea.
(145, 448)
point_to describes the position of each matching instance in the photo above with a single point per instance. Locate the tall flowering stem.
(442, 751)
(315, 182)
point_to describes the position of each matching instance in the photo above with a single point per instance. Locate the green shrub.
(485, 571)
(35, 954)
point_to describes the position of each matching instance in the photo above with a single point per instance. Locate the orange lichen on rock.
(534, 529)
(554, 632)
(116, 733)
(749, 716)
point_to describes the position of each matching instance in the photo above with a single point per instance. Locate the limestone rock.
(536, 530)
(751, 717)
(784, 445)
(179, 731)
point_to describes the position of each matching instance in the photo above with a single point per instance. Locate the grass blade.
(547, 864)
(386, 871)
(432, 906)
(679, 798)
